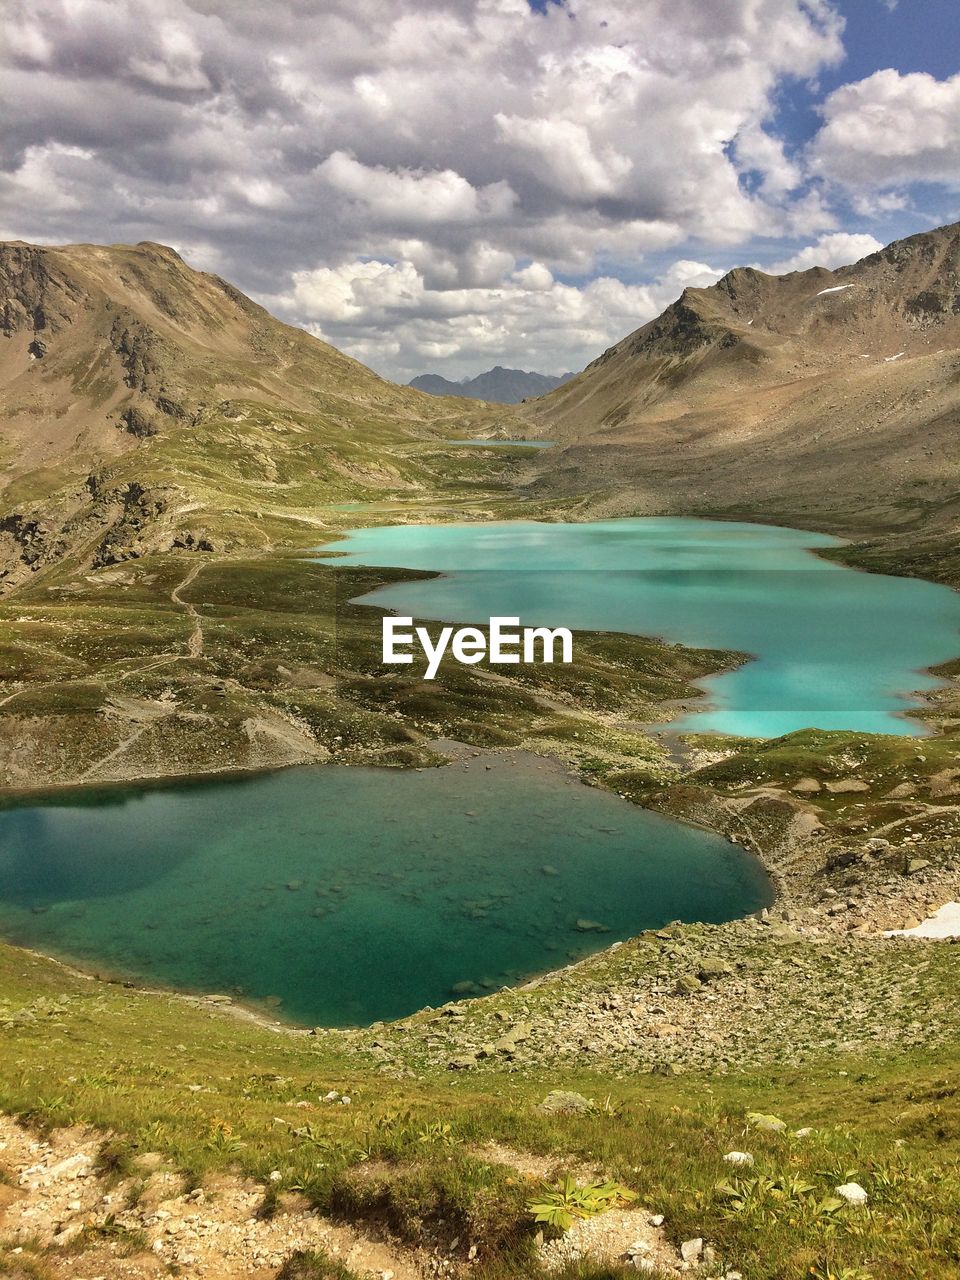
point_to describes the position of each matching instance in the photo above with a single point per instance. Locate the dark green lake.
(355, 894)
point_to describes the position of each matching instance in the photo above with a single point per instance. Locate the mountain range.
(497, 385)
(150, 407)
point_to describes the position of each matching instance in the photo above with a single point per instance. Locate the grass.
(282, 639)
(409, 1151)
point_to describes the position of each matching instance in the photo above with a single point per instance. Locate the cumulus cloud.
(396, 173)
(834, 250)
(890, 130)
(530, 314)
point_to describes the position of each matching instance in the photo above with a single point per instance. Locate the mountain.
(828, 398)
(497, 385)
(148, 406)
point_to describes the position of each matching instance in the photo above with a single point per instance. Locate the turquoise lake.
(339, 895)
(833, 648)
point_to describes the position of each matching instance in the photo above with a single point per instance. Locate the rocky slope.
(147, 405)
(829, 398)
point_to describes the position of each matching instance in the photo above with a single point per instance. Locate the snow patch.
(944, 923)
(837, 288)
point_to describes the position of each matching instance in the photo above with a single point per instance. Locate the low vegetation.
(212, 1091)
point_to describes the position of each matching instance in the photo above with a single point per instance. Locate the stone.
(691, 1250)
(463, 1063)
(738, 1157)
(712, 968)
(590, 926)
(514, 1037)
(806, 787)
(464, 989)
(853, 1193)
(686, 985)
(656, 1219)
(847, 786)
(765, 1123)
(563, 1102)
(915, 865)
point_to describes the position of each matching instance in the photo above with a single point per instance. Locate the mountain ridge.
(829, 398)
(147, 404)
(498, 385)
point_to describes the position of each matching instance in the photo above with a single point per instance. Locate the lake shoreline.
(786, 897)
(494, 782)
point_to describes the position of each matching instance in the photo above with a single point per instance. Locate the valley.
(177, 608)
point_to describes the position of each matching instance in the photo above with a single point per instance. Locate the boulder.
(806, 787)
(765, 1123)
(563, 1102)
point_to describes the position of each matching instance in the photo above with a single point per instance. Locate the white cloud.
(415, 197)
(834, 250)
(367, 307)
(890, 130)
(419, 178)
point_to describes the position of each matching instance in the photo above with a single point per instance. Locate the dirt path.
(88, 1226)
(194, 649)
(195, 640)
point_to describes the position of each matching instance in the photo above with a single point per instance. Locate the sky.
(446, 185)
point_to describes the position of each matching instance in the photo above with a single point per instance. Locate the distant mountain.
(498, 386)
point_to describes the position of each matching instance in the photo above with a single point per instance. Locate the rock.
(916, 864)
(464, 989)
(902, 791)
(803, 1133)
(712, 968)
(806, 787)
(590, 926)
(463, 1063)
(514, 1037)
(656, 1220)
(549, 871)
(563, 1102)
(637, 1248)
(686, 985)
(853, 1193)
(738, 1157)
(765, 1123)
(691, 1250)
(847, 785)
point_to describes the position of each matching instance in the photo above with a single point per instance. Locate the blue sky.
(452, 184)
